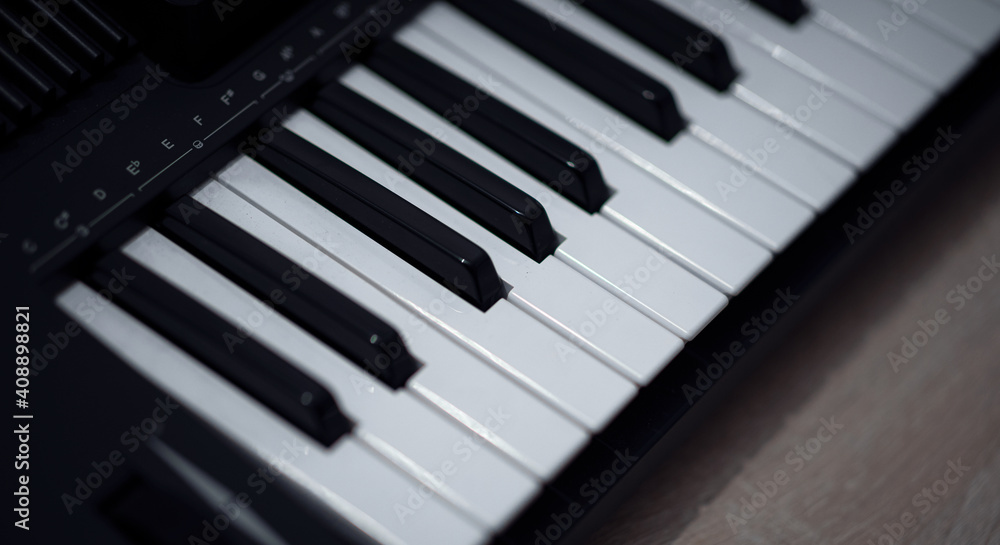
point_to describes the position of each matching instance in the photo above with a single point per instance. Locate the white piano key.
(567, 377)
(346, 478)
(202, 483)
(811, 107)
(595, 247)
(974, 23)
(690, 234)
(620, 335)
(814, 51)
(504, 413)
(642, 276)
(911, 47)
(799, 167)
(649, 215)
(586, 314)
(689, 165)
(408, 432)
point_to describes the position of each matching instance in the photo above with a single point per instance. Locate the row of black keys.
(653, 24)
(436, 249)
(629, 90)
(421, 240)
(332, 317)
(439, 251)
(67, 43)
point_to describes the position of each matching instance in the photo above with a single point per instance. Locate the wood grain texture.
(900, 429)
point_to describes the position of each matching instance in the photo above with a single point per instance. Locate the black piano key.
(491, 201)
(535, 149)
(632, 92)
(789, 10)
(209, 338)
(71, 39)
(27, 76)
(365, 339)
(37, 47)
(424, 242)
(158, 504)
(691, 47)
(13, 103)
(99, 26)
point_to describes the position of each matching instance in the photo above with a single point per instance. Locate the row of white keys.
(974, 23)
(411, 434)
(594, 246)
(848, 69)
(779, 154)
(347, 478)
(589, 316)
(760, 209)
(550, 366)
(692, 235)
(809, 106)
(911, 47)
(495, 407)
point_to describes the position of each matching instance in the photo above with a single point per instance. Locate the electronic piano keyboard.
(427, 272)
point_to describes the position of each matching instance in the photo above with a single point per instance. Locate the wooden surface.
(900, 429)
